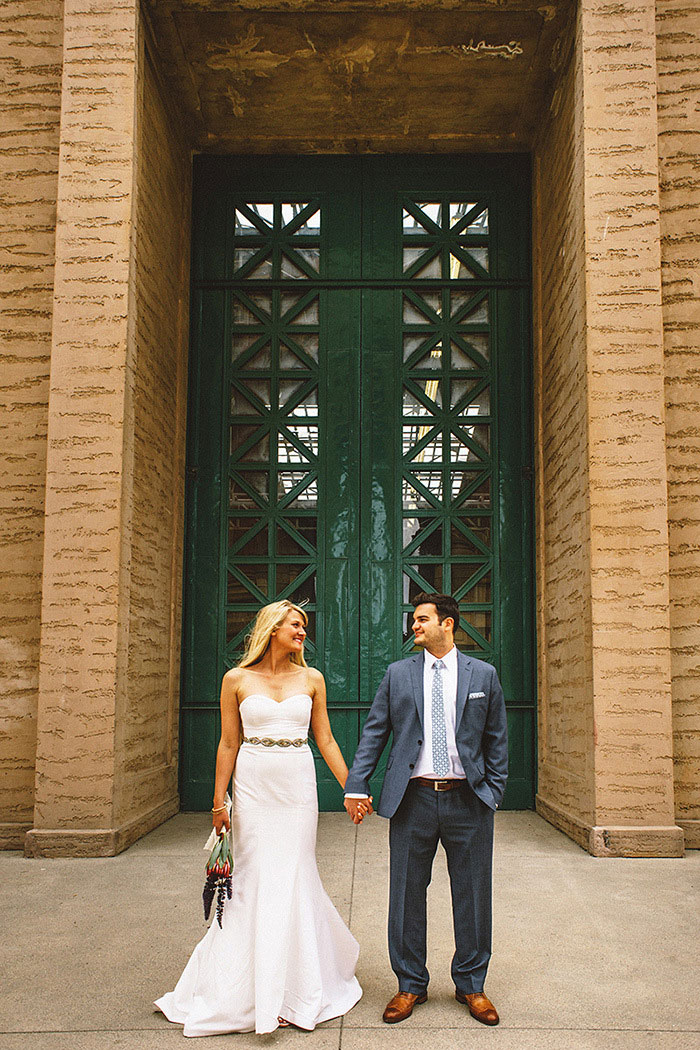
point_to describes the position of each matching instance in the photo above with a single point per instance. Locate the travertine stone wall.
(565, 658)
(627, 455)
(108, 675)
(147, 728)
(610, 174)
(31, 48)
(90, 444)
(678, 75)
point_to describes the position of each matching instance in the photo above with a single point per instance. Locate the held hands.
(358, 808)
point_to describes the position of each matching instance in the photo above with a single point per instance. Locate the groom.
(444, 778)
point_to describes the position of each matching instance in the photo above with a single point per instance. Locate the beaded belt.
(267, 741)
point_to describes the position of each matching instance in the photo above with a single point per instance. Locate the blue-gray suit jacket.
(480, 730)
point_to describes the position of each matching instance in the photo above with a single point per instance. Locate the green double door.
(359, 426)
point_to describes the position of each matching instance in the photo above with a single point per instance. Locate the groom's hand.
(358, 808)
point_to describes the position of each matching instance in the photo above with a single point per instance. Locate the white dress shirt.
(424, 765)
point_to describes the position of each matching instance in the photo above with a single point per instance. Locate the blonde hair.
(269, 618)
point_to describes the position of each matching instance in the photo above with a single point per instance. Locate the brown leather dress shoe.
(479, 1006)
(401, 1006)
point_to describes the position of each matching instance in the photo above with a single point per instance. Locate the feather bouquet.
(219, 882)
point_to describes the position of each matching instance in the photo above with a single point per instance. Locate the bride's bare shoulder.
(233, 678)
(314, 679)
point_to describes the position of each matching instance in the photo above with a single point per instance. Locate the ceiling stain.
(416, 77)
(243, 59)
(482, 50)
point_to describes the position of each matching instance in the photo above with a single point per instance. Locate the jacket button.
(419, 743)
(411, 765)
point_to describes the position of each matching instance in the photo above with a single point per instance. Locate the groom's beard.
(431, 639)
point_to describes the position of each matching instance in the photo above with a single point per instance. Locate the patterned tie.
(441, 760)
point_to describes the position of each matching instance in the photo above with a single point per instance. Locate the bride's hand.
(358, 808)
(221, 822)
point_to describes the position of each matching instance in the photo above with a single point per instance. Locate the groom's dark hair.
(444, 603)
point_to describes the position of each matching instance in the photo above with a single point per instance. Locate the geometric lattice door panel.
(359, 425)
(446, 345)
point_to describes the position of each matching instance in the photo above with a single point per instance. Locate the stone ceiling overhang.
(349, 76)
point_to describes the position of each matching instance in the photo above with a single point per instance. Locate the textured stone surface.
(564, 819)
(646, 841)
(90, 443)
(31, 46)
(678, 58)
(147, 726)
(627, 454)
(605, 734)
(106, 755)
(565, 657)
(98, 842)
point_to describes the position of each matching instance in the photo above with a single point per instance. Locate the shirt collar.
(449, 659)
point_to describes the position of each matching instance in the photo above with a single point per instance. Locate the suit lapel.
(464, 676)
(417, 680)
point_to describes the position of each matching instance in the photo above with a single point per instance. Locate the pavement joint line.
(524, 1028)
(352, 875)
(352, 893)
(354, 1028)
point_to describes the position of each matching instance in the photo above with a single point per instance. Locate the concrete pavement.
(588, 954)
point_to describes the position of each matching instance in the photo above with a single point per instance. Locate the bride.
(283, 955)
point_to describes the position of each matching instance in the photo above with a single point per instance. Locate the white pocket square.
(476, 696)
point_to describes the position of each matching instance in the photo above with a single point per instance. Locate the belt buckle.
(442, 785)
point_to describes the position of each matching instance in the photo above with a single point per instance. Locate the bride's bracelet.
(219, 809)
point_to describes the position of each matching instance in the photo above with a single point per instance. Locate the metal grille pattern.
(359, 425)
(274, 421)
(448, 439)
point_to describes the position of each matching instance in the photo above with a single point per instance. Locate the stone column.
(631, 745)
(31, 50)
(86, 583)
(678, 44)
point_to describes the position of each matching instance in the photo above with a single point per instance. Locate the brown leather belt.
(439, 785)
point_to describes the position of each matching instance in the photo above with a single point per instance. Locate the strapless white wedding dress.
(283, 950)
